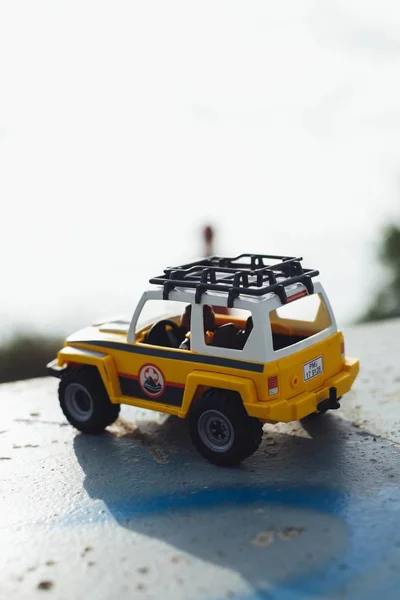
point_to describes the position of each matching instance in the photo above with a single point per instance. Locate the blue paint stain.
(321, 499)
(372, 525)
(373, 540)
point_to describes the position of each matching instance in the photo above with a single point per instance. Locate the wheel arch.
(198, 382)
(70, 357)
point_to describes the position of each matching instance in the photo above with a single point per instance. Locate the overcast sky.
(124, 126)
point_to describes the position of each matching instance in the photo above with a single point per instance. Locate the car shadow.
(261, 520)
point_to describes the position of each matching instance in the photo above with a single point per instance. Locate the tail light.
(273, 385)
(342, 348)
(296, 296)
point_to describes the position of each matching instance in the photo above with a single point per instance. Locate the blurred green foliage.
(386, 304)
(26, 355)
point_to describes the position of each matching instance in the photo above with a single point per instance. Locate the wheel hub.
(216, 431)
(79, 402)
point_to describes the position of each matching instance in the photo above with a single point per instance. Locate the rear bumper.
(306, 403)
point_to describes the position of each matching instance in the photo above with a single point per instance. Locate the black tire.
(84, 400)
(221, 430)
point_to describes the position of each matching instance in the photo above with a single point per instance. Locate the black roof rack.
(249, 274)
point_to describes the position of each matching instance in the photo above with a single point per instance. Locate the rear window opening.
(298, 320)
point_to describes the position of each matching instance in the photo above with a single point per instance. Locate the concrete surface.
(137, 513)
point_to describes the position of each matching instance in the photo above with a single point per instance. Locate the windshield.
(298, 320)
(156, 310)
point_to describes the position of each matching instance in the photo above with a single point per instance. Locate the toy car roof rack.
(248, 274)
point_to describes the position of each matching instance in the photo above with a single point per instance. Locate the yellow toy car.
(244, 341)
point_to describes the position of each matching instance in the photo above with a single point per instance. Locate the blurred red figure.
(208, 238)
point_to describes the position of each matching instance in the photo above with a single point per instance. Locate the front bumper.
(306, 403)
(55, 370)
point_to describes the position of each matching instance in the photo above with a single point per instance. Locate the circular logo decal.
(151, 381)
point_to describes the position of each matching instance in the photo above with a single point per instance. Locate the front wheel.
(221, 430)
(84, 400)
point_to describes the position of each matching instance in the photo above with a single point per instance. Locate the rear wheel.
(221, 429)
(84, 400)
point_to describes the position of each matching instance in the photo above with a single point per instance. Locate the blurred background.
(128, 127)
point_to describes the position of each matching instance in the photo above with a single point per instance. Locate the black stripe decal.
(172, 395)
(196, 358)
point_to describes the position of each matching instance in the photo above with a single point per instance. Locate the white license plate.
(313, 368)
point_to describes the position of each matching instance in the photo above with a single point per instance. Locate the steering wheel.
(164, 333)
